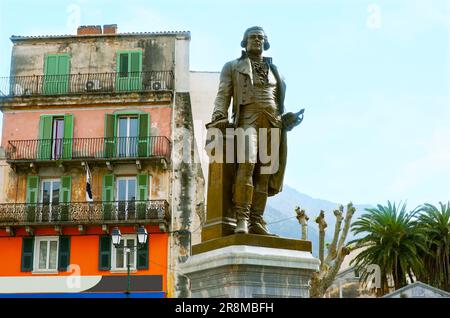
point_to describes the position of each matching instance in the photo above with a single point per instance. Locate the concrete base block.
(242, 271)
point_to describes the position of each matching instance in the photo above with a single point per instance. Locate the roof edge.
(18, 38)
(418, 283)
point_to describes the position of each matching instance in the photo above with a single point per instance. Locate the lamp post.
(117, 237)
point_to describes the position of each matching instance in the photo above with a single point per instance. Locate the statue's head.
(255, 32)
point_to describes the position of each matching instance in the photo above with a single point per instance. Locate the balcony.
(84, 213)
(88, 149)
(90, 83)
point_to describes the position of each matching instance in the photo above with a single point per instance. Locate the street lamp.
(142, 236)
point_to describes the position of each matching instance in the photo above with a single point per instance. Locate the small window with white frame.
(46, 254)
(119, 254)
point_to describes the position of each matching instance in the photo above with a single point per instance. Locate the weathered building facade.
(114, 107)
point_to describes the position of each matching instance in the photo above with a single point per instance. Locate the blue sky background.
(372, 75)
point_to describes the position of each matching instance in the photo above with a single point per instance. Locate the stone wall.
(92, 55)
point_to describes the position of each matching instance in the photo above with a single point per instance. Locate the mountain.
(281, 217)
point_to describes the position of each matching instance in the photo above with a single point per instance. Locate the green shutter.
(63, 64)
(136, 60)
(64, 253)
(142, 196)
(104, 255)
(142, 255)
(110, 135)
(68, 135)
(45, 137)
(27, 254)
(56, 73)
(142, 187)
(32, 189)
(51, 65)
(108, 196)
(66, 186)
(32, 198)
(144, 140)
(108, 187)
(64, 197)
(135, 69)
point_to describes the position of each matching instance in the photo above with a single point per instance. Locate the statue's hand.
(291, 120)
(221, 124)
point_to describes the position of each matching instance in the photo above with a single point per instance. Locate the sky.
(373, 77)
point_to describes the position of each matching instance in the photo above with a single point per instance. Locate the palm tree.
(436, 224)
(391, 239)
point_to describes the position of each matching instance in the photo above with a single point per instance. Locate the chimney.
(110, 29)
(89, 29)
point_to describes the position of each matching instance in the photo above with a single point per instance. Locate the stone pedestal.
(250, 266)
(220, 218)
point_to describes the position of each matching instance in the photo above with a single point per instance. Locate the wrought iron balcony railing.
(88, 148)
(150, 211)
(36, 85)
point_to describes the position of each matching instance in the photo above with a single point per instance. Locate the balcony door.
(57, 140)
(127, 136)
(126, 197)
(50, 198)
(55, 137)
(56, 74)
(129, 67)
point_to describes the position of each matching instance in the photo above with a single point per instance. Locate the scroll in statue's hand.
(290, 120)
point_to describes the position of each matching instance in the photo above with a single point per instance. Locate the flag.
(88, 184)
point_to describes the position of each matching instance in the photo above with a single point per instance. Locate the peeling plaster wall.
(92, 55)
(188, 191)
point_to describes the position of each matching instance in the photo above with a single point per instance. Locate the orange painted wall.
(87, 123)
(84, 249)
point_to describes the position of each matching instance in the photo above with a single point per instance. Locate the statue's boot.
(257, 223)
(242, 201)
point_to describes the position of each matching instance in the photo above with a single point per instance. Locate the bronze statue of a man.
(258, 91)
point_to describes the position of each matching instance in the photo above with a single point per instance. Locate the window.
(126, 197)
(127, 132)
(49, 198)
(55, 137)
(119, 254)
(45, 253)
(112, 258)
(127, 135)
(46, 256)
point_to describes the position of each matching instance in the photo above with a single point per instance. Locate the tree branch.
(322, 225)
(332, 251)
(347, 223)
(303, 220)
